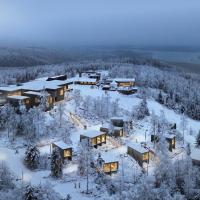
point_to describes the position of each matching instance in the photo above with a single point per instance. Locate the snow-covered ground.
(67, 186)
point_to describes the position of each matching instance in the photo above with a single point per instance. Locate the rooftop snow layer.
(62, 145)
(18, 97)
(138, 147)
(36, 93)
(10, 88)
(92, 133)
(124, 79)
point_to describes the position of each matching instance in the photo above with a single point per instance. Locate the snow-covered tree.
(56, 164)
(198, 139)
(32, 156)
(184, 124)
(77, 98)
(142, 110)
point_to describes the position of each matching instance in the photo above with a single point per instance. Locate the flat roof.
(124, 79)
(85, 79)
(18, 97)
(92, 133)
(10, 88)
(62, 145)
(36, 93)
(138, 147)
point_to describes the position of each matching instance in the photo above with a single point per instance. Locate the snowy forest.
(167, 179)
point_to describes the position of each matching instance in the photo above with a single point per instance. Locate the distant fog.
(64, 23)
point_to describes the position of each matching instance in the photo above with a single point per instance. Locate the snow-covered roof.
(124, 118)
(195, 154)
(117, 128)
(124, 79)
(62, 145)
(17, 97)
(36, 93)
(10, 88)
(138, 147)
(85, 79)
(92, 133)
(108, 158)
(106, 86)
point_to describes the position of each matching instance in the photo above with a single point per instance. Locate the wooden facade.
(140, 153)
(57, 93)
(125, 82)
(170, 138)
(64, 149)
(96, 138)
(16, 101)
(8, 91)
(35, 99)
(110, 167)
(118, 132)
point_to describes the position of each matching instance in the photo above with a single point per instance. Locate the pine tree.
(198, 140)
(142, 110)
(32, 156)
(56, 164)
(160, 98)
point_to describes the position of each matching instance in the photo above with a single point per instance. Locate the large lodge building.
(30, 93)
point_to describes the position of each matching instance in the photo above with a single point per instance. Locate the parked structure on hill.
(170, 138)
(140, 152)
(64, 149)
(96, 138)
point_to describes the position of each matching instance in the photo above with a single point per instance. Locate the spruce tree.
(32, 155)
(56, 164)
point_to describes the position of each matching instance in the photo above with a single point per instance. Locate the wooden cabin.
(195, 156)
(127, 90)
(125, 82)
(64, 149)
(59, 77)
(139, 152)
(118, 132)
(118, 121)
(107, 164)
(57, 93)
(16, 101)
(170, 138)
(85, 81)
(35, 99)
(96, 138)
(96, 76)
(8, 91)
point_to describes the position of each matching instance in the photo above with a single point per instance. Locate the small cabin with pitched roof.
(139, 152)
(96, 138)
(64, 149)
(170, 138)
(125, 82)
(107, 164)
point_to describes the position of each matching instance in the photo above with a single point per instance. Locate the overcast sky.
(99, 22)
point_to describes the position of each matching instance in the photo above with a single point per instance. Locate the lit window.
(94, 141)
(67, 153)
(103, 138)
(113, 166)
(61, 92)
(98, 139)
(106, 167)
(27, 101)
(145, 156)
